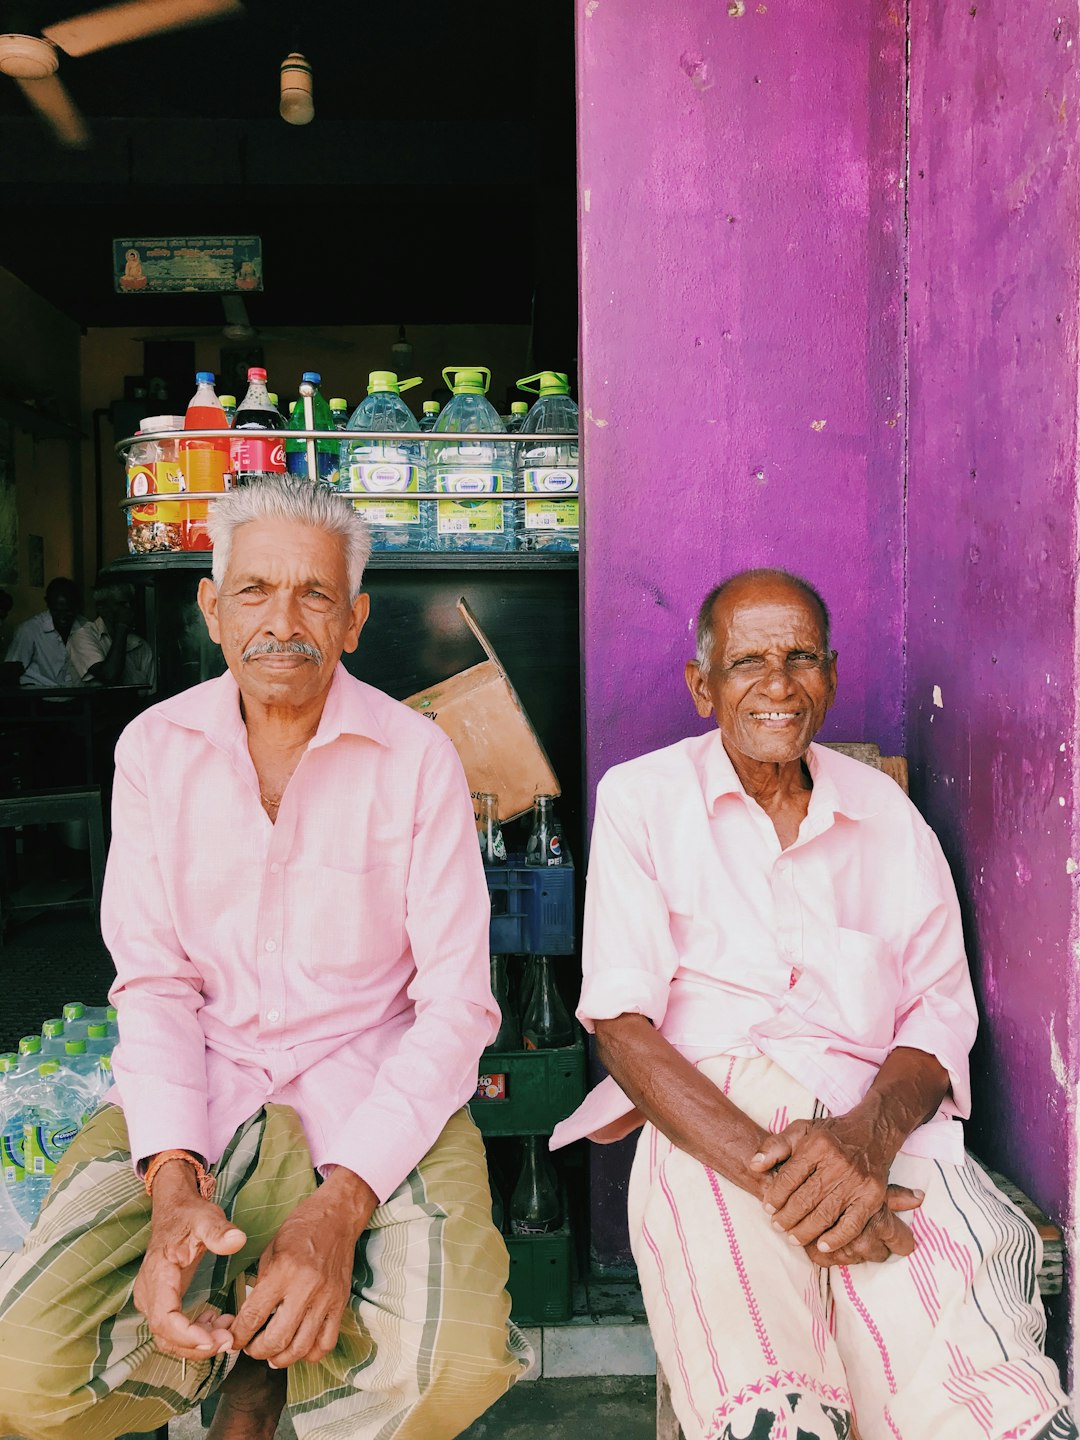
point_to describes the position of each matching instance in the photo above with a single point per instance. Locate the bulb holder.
(297, 106)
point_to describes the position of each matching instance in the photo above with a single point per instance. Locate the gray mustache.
(287, 647)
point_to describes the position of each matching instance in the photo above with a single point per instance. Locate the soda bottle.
(546, 1024)
(478, 473)
(548, 467)
(534, 1205)
(255, 456)
(383, 471)
(509, 1036)
(228, 404)
(545, 843)
(492, 844)
(430, 415)
(326, 451)
(206, 462)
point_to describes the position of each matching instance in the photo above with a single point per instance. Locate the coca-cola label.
(252, 453)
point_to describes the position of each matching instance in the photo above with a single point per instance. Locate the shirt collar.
(838, 787)
(214, 709)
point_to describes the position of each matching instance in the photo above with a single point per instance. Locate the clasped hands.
(825, 1184)
(293, 1311)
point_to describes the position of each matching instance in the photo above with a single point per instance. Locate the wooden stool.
(49, 807)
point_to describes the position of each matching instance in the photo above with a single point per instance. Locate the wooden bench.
(1051, 1274)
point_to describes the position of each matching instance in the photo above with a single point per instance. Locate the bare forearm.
(906, 1092)
(679, 1100)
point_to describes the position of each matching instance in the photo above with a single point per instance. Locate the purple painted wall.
(741, 239)
(992, 502)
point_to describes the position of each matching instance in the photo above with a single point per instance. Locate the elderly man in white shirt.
(774, 969)
(106, 651)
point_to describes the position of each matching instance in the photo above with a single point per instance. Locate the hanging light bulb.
(402, 352)
(297, 105)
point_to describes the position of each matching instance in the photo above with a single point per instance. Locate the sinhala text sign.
(171, 264)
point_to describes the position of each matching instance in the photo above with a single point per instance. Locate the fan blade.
(134, 20)
(50, 98)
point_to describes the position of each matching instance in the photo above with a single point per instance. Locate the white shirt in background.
(37, 646)
(91, 643)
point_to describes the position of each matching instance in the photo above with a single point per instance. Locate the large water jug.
(386, 473)
(478, 473)
(548, 468)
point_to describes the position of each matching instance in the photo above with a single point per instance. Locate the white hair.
(288, 497)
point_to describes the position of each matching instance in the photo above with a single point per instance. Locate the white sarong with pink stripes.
(758, 1343)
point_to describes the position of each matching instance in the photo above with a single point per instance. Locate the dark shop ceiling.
(435, 184)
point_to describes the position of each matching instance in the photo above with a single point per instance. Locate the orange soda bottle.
(206, 462)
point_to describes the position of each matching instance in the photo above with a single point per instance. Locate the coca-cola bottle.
(534, 1205)
(546, 1024)
(254, 456)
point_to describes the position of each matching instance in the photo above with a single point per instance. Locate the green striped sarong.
(426, 1342)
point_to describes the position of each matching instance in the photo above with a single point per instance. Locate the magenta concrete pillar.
(992, 544)
(741, 235)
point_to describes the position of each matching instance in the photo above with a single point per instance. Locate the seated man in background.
(774, 968)
(296, 908)
(40, 643)
(106, 651)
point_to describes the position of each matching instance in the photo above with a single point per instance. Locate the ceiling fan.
(240, 331)
(32, 58)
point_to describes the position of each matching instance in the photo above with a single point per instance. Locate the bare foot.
(251, 1401)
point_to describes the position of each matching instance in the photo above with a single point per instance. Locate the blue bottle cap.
(204, 377)
(312, 377)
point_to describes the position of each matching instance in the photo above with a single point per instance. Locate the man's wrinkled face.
(771, 679)
(283, 615)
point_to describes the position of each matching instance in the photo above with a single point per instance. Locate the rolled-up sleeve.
(434, 1070)
(936, 1011)
(628, 956)
(160, 1061)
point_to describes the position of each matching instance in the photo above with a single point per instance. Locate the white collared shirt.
(37, 646)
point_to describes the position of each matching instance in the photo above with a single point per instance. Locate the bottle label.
(470, 517)
(550, 480)
(382, 477)
(471, 482)
(491, 1087)
(13, 1157)
(551, 514)
(389, 512)
(251, 454)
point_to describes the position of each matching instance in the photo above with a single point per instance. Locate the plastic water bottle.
(548, 468)
(228, 404)
(255, 457)
(326, 451)
(430, 415)
(518, 410)
(384, 472)
(339, 409)
(477, 473)
(12, 1166)
(52, 1112)
(29, 1052)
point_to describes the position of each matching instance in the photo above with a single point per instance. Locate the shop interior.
(425, 217)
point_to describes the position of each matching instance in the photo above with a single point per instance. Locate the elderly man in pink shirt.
(288, 1197)
(775, 973)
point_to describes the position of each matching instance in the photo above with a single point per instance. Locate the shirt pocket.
(357, 921)
(866, 987)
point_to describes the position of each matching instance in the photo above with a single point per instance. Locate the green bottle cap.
(272, 397)
(74, 1010)
(227, 400)
(292, 406)
(8, 1061)
(339, 404)
(431, 407)
(467, 379)
(386, 382)
(552, 382)
(30, 1045)
(519, 407)
(75, 1047)
(105, 1063)
(97, 1032)
(110, 1013)
(49, 1067)
(52, 1029)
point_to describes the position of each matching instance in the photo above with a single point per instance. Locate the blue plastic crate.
(532, 908)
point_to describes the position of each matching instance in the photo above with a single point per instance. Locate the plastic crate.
(532, 908)
(541, 1279)
(527, 1092)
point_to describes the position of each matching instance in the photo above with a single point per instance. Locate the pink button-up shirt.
(336, 961)
(824, 956)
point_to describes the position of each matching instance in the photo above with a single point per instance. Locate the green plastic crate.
(541, 1279)
(530, 1091)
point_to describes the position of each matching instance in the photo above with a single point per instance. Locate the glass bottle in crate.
(545, 845)
(509, 1036)
(488, 829)
(535, 1208)
(546, 1024)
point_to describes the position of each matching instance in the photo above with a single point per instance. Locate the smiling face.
(283, 615)
(770, 681)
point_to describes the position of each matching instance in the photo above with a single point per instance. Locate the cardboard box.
(480, 711)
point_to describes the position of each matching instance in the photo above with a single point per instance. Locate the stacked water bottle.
(48, 1090)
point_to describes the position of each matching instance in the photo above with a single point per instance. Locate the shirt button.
(270, 946)
(274, 868)
(272, 1015)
